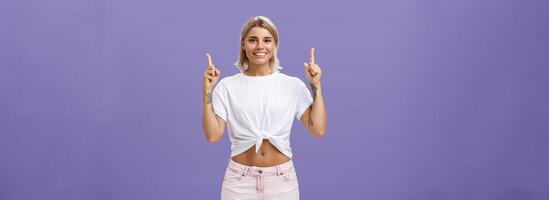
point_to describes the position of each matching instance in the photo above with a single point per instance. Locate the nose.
(260, 45)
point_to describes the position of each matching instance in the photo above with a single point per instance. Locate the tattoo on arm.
(209, 101)
(313, 88)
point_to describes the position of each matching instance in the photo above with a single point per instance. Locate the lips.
(260, 54)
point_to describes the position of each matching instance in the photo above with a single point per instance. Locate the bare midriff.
(267, 156)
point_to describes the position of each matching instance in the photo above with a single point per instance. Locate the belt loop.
(245, 171)
(278, 170)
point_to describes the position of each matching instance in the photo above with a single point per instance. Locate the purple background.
(426, 99)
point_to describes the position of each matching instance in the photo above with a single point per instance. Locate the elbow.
(319, 133)
(212, 140)
(212, 137)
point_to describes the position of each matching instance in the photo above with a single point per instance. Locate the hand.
(211, 75)
(312, 70)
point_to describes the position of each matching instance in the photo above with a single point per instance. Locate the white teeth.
(260, 54)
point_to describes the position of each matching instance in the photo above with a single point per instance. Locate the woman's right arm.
(213, 125)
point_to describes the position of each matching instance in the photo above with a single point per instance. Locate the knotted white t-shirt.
(260, 107)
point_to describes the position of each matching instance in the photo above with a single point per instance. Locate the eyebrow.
(257, 37)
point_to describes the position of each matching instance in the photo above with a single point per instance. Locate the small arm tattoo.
(209, 100)
(314, 92)
(313, 88)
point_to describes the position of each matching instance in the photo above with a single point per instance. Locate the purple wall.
(426, 99)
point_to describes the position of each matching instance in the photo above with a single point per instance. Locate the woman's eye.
(251, 40)
(267, 40)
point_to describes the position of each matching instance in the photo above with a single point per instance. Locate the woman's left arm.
(314, 118)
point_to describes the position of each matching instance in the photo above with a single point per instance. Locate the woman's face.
(259, 45)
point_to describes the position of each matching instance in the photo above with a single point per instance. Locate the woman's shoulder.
(229, 79)
(290, 79)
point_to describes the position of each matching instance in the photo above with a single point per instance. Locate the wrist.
(206, 90)
(316, 87)
(207, 97)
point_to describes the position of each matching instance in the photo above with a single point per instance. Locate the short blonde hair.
(263, 22)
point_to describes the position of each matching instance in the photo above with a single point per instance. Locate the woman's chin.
(259, 62)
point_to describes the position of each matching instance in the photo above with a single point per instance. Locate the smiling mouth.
(260, 54)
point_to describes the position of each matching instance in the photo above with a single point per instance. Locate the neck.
(258, 70)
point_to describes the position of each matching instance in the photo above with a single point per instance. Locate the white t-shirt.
(260, 107)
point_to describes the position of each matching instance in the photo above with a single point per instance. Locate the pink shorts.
(260, 183)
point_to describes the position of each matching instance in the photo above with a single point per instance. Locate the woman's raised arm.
(213, 125)
(314, 118)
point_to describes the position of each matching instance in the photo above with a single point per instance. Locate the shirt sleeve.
(220, 99)
(304, 99)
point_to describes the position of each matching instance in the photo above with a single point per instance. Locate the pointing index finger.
(209, 60)
(312, 58)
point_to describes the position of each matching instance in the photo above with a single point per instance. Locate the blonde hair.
(263, 22)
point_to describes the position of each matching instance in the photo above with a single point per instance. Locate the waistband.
(278, 170)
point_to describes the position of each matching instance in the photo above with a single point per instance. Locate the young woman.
(259, 105)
